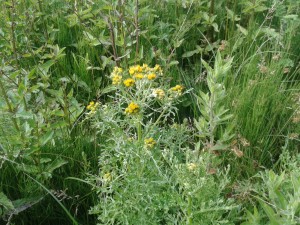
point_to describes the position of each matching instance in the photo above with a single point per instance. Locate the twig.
(112, 37)
(137, 29)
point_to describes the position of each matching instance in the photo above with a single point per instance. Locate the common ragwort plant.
(148, 172)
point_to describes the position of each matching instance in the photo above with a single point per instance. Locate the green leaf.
(219, 146)
(46, 137)
(108, 89)
(55, 165)
(242, 30)
(292, 16)
(175, 62)
(24, 115)
(25, 203)
(273, 217)
(46, 66)
(190, 53)
(5, 202)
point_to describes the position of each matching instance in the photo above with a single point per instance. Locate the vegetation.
(149, 112)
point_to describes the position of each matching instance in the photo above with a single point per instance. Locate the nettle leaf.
(5, 202)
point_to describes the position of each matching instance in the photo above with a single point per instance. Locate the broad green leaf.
(108, 89)
(57, 163)
(46, 137)
(190, 53)
(5, 202)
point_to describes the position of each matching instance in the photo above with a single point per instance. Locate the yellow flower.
(145, 67)
(117, 70)
(157, 68)
(131, 70)
(92, 103)
(151, 76)
(139, 76)
(158, 93)
(139, 68)
(107, 177)
(191, 166)
(178, 89)
(116, 79)
(149, 142)
(129, 82)
(132, 108)
(93, 106)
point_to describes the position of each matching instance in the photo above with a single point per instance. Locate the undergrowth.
(149, 112)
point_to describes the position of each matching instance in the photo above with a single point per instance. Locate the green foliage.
(214, 114)
(278, 196)
(162, 180)
(237, 66)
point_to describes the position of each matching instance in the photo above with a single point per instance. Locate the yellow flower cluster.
(135, 69)
(137, 72)
(129, 82)
(116, 79)
(107, 177)
(151, 76)
(157, 68)
(178, 89)
(116, 75)
(93, 106)
(138, 76)
(132, 108)
(158, 93)
(149, 142)
(191, 166)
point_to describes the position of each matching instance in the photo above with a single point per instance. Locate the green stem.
(137, 29)
(189, 220)
(160, 116)
(211, 120)
(139, 129)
